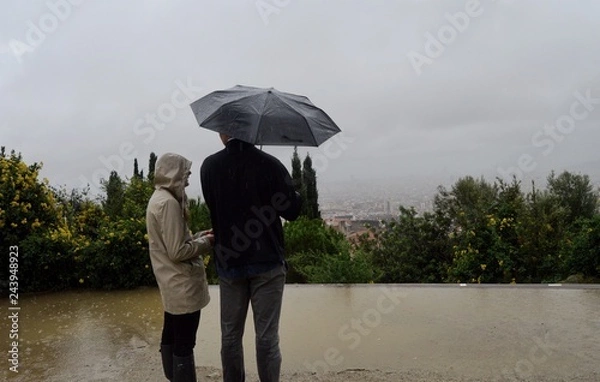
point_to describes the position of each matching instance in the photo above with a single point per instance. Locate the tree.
(26, 204)
(136, 196)
(575, 193)
(318, 253)
(151, 166)
(309, 181)
(27, 208)
(115, 195)
(481, 223)
(581, 251)
(297, 171)
(411, 249)
(199, 215)
(136, 171)
(199, 220)
(541, 231)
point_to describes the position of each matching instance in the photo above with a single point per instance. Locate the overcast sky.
(417, 87)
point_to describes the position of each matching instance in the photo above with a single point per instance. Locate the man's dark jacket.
(247, 191)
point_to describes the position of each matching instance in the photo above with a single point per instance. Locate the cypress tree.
(297, 171)
(309, 181)
(136, 172)
(115, 195)
(151, 166)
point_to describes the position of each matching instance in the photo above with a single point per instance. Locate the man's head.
(224, 138)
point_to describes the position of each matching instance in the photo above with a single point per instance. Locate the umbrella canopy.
(264, 117)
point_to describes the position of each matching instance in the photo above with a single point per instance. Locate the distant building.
(351, 228)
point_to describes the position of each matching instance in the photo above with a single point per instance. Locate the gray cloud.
(78, 96)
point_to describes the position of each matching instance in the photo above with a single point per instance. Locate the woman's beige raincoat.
(175, 255)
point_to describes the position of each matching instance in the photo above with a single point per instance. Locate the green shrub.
(306, 242)
(119, 258)
(343, 267)
(581, 252)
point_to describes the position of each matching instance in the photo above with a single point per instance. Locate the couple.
(246, 191)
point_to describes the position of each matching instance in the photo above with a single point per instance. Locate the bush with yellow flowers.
(27, 208)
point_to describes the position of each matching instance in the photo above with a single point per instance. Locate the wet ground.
(328, 333)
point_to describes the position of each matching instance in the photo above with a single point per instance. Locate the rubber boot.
(184, 369)
(166, 353)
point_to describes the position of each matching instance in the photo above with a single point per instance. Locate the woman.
(177, 263)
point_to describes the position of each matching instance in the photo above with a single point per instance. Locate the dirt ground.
(153, 372)
(207, 374)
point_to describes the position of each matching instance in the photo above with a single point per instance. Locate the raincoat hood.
(170, 173)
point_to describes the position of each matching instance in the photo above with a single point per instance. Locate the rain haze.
(420, 89)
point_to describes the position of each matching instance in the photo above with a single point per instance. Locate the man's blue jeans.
(265, 293)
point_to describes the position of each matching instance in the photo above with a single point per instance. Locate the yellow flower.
(483, 266)
(81, 281)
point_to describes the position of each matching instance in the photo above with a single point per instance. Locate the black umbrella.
(264, 117)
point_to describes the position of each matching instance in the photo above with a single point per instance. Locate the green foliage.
(477, 232)
(342, 267)
(307, 243)
(152, 166)
(297, 173)
(50, 257)
(136, 171)
(27, 208)
(26, 204)
(574, 193)
(581, 251)
(493, 232)
(486, 239)
(113, 202)
(542, 230)
(136, 196)
(410, 249)
(118, 258)
(305, 182)
(310, 207)
(48, 261)
(199, 216)
(304, 234)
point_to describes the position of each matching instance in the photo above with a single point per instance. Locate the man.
(247, 191)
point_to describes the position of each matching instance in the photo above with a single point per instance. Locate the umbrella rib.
(260, 115)
(303, 117)
(217, 109)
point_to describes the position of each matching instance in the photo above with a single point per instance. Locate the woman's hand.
(208, 234)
